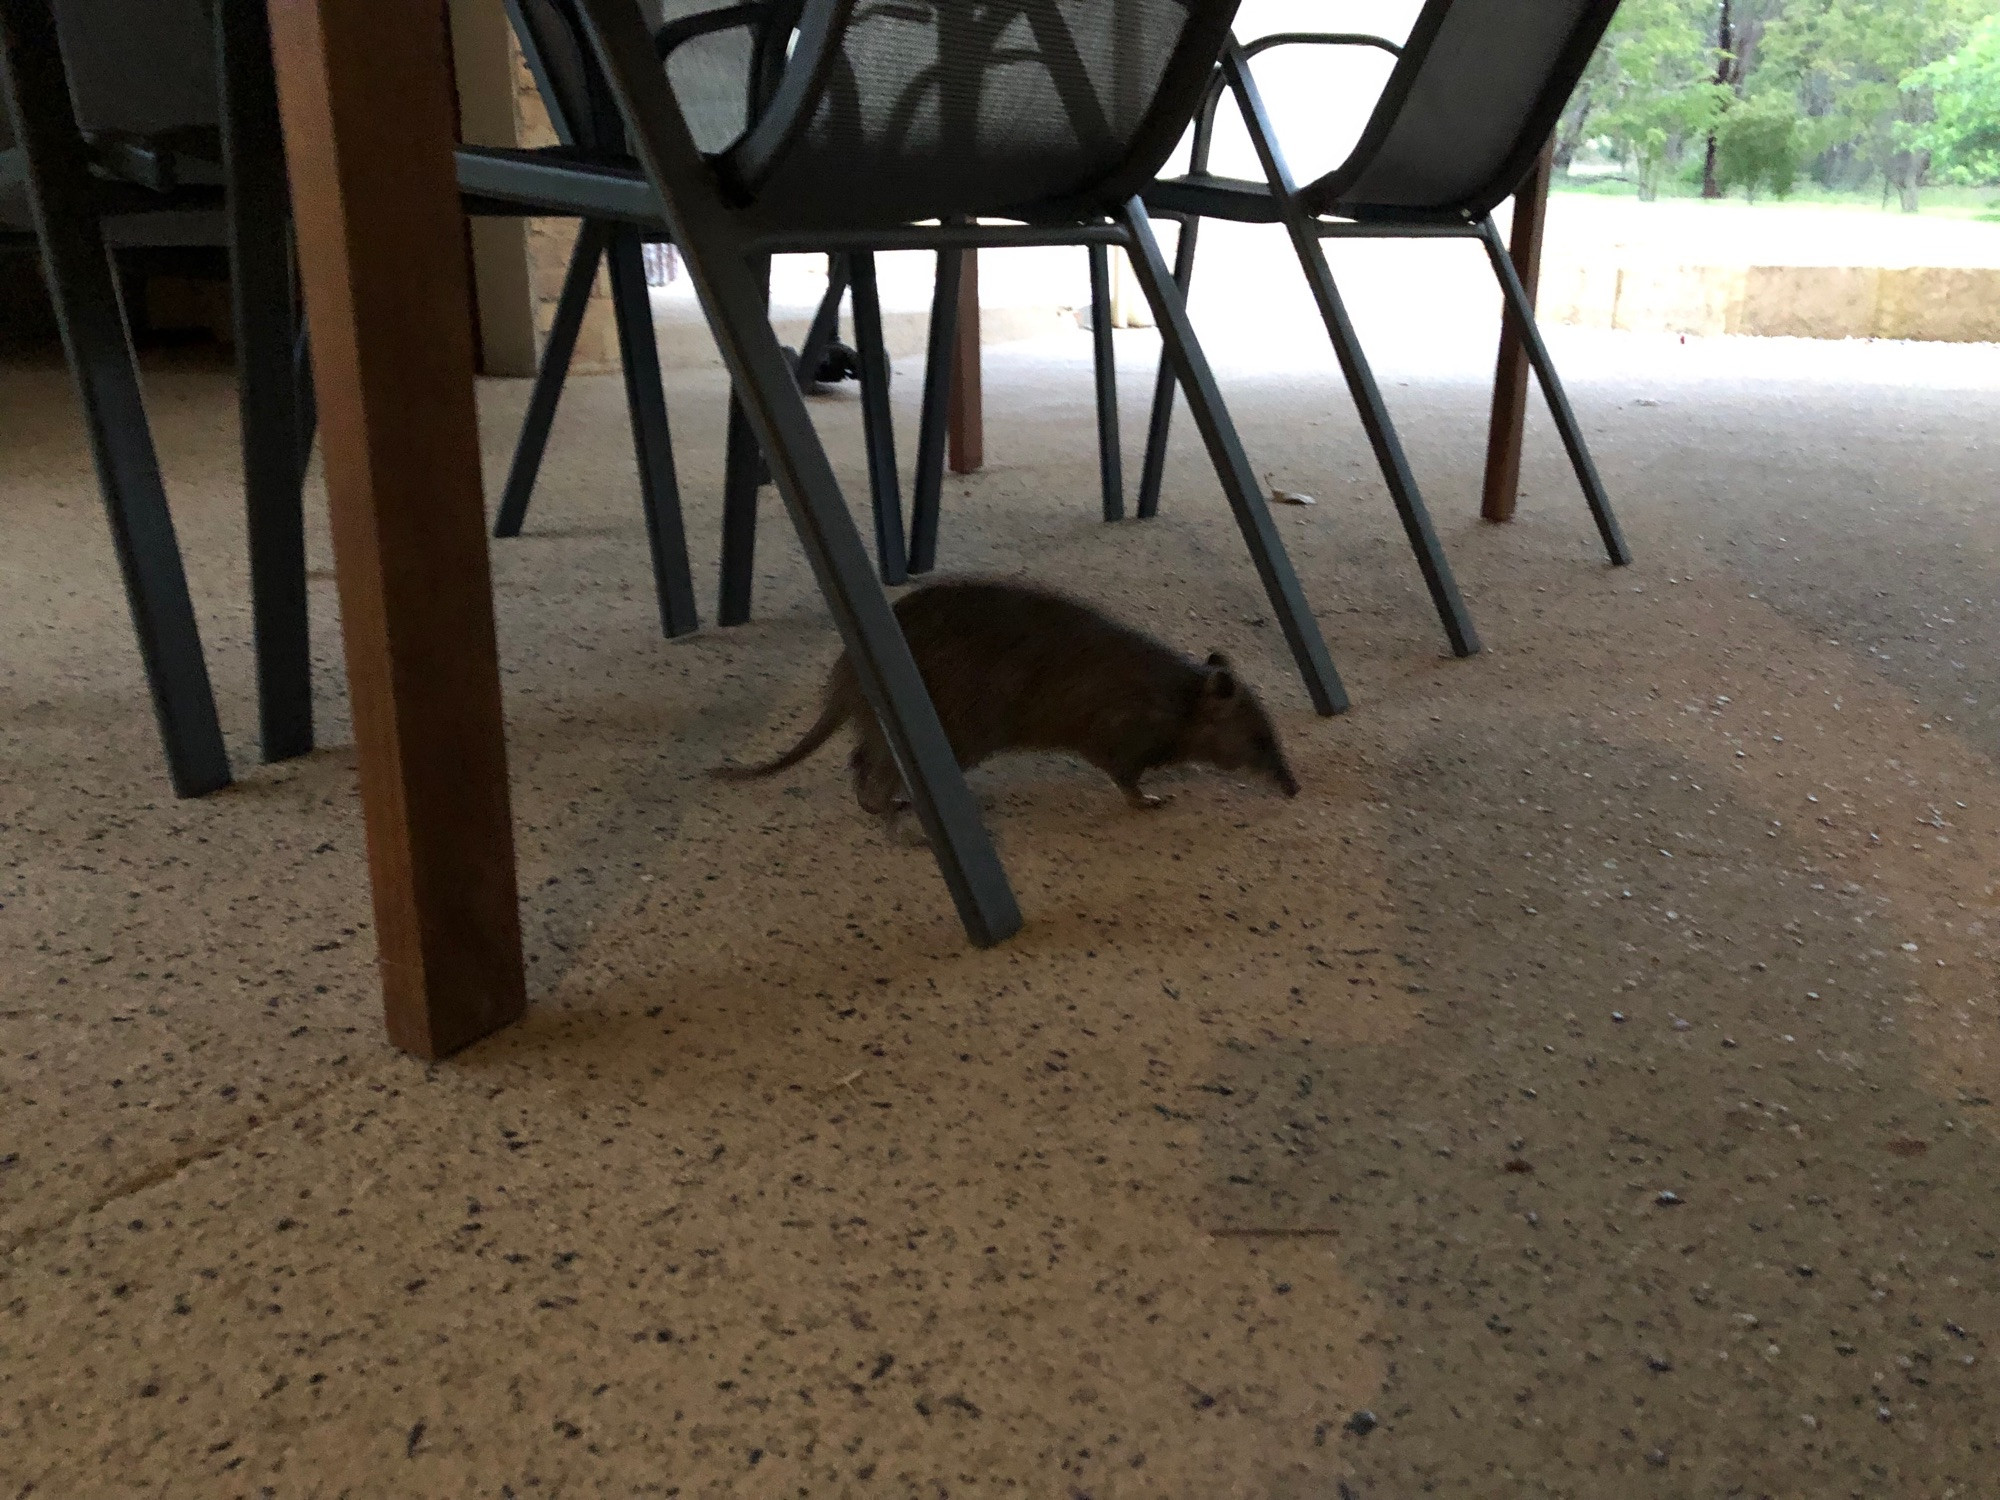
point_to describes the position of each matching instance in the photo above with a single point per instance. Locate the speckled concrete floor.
(1589, 1078)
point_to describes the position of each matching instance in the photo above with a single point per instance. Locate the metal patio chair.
(709, 48)
(903, 126)
(1475, 91)
(158, 126)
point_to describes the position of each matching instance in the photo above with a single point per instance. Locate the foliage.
(1650, 90)
(1851, 91)
(1757, 144)
(1964, 137)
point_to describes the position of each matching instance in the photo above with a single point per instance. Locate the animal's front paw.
(907, 829)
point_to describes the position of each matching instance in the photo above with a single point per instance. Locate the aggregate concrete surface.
(1585, 1088)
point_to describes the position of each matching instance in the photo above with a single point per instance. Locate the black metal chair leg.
(1153, 473)
(1367, 395)
(1232, 466)
(887, 673)
(933, 426)
(639, 352)
(1552, 390)
(260, 259)
(99, 349)
(550, 375)
(825, 324)
(1395, 465)
(744, 472)
(878, 422)
(1110, 475)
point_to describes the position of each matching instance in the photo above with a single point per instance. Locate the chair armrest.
(1205, 116)
(820, 27)
(1321, 39)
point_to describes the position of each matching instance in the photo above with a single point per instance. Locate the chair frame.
(78, 221)
(1306, 215)
(745, 470)
(491, 179)
(720, 245)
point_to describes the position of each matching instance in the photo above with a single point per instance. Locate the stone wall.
(1956, 304)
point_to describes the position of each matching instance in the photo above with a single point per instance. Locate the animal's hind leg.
(878, 786)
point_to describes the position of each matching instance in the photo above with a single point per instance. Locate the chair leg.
(878, 422)
(1110, 476)
(305, 398)
(1232, 466)
(825, 324)
(1155, 468)
(1395, 466)
(933, 427)
(1353, 364)
(768, 385)
(639, 352)
(260, 260)
(99, 350)
(550, 375)
(1552, 389)
(744, 472)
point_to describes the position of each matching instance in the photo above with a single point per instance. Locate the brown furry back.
(1015, 667)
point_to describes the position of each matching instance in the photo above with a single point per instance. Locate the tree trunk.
(1569, 134)
(1725, 63)
(1906, 171)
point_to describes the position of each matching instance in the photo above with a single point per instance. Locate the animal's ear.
(1217, 659)
(1219, 682)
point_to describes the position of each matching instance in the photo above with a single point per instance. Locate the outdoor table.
(368, 106)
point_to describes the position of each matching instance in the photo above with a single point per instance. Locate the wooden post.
(365, 88)
(965, 410)
(1510, 378)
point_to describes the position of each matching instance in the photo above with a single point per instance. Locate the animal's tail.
(831, 717)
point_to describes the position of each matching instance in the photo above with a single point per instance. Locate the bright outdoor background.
(1706, 133)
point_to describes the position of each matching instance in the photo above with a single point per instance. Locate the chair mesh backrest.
(942, 107)
(144, 69)
(1469, 103)
(711, 74)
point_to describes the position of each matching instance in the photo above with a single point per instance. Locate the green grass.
(1979, 204)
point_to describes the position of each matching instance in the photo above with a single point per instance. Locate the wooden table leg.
(366, 94)
(1510, 378)
(966, 410)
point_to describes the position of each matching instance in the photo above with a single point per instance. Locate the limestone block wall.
(1958, 304)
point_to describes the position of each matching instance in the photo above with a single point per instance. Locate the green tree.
(1964, 137)
(1739, 27)
(1858, 64)
(1648, 91)
(1854, 90)
(1757, 145)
